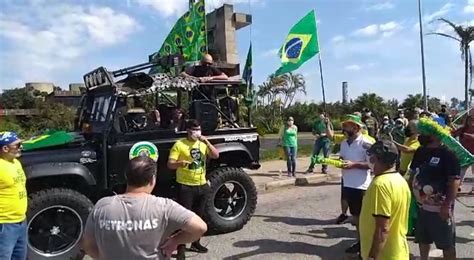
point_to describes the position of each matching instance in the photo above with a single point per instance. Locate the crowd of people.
(396, 181)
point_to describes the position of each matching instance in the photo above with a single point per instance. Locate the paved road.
(296, 223)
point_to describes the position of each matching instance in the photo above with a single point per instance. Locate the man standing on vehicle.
(435, 179)
(322, 141)
(188, 157)
(355, 173)
(138, 225)
(205, 71)
(384, 215)
(13, 199)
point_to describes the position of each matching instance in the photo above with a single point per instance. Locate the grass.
(274, 153)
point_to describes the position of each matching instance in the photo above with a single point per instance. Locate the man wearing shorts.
(355, 173)
(435, 178)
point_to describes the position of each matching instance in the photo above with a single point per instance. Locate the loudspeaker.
(206, 113)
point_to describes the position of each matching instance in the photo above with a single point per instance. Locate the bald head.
(207, 59)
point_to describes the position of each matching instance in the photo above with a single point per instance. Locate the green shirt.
(290, 136)
(320, 128)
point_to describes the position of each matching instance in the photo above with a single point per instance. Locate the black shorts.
(354, 199)
(430, 227)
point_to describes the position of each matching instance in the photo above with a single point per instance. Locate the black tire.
(215, 204)
(67, 206)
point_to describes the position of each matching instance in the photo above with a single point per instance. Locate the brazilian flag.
(300, 45)
(187, 36)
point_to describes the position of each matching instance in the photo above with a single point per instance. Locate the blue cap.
(7, 138)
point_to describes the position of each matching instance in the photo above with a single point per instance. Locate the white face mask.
(195, 134)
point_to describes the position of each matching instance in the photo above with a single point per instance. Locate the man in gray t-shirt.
(138, 225)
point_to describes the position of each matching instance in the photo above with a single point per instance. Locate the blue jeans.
(320, 144)
(13, 241)
(290, 153)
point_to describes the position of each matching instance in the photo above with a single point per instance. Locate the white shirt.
(356, 152)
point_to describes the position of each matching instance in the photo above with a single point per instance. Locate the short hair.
(140, 171)
(192, 123)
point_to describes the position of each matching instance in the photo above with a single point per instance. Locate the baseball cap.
(7, 138)
(384, 149)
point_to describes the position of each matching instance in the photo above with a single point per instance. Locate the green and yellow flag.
(188, 35)
(300, 45)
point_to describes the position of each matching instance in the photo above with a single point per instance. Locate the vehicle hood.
(52, 139)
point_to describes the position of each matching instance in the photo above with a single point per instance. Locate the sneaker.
(354, 248)
(324, 171)
(341, 218)
(197, 247)
(309, 171)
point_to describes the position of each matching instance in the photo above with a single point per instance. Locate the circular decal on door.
(144, 149)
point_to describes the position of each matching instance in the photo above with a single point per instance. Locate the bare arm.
(355, 165)
(222, 76)
(380, 236)
(404, 148)
(190, 232)
(88, 241)
(175, 164)
(213, 152)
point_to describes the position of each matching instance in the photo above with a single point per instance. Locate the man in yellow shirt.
(188, 157)
(408, 148)
(13, 199)
(384, 215)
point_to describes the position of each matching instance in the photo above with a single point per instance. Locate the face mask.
(408, 132)
(290, 122)
(195, 134)
(424, 140)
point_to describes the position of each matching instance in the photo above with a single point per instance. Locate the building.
(32, 87)
(222, 25)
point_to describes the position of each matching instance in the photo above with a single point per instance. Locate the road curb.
(299, 181)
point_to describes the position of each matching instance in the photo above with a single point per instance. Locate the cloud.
(380, 6)
(442, 11)
(369, 30)
(353, 67)
(270, 53)
(45, 39)
(469, 8)
(169, 8)
(386, 29)
(338, 38)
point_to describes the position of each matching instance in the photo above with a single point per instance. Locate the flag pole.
(321, 69)
(423, 74)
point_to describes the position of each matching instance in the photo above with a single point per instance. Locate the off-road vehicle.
(68, 172)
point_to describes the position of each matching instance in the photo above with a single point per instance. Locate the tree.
(371, 101)
(464, 35)
(294, 83)
(17, 98)
(413, 101)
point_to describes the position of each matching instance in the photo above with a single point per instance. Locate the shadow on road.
(267, 246)
(296, 221)
(329, 232)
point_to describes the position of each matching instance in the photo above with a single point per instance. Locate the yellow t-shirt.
(388, 195)
(406, 158)
(192, 151)
(13, 196)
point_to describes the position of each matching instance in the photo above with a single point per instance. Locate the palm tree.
(464, 35)
(371, 101)
(413, 101)
(294, 83)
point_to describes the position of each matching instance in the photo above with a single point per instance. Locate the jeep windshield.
(95, 111)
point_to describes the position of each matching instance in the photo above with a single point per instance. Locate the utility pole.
(425, 96)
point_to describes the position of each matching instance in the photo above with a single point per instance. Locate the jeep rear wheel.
(232, 200)
(56, 220)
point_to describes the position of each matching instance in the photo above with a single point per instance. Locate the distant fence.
(19, 112)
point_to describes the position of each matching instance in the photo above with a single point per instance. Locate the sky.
(374, 45)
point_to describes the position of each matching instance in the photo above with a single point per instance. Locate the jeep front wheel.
(232, 200)
(56, 220)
